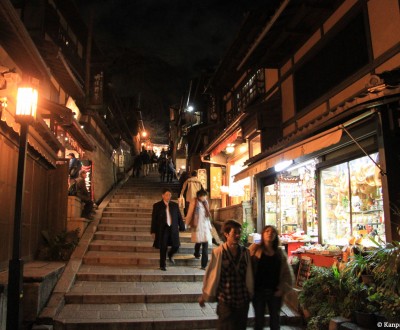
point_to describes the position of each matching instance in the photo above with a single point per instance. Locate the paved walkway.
(113, 282)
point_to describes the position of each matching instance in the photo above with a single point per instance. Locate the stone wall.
(241, 212)
(104, 172)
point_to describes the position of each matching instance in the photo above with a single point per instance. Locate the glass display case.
(351, 201)
(290, 203)
(289, 213)
(270, 204)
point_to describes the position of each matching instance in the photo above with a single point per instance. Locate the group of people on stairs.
(236, 275)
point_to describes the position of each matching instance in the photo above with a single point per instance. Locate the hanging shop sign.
(215, 182)
(202, 176)
(88, 167)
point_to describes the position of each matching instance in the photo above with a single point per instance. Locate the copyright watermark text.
(388, 325)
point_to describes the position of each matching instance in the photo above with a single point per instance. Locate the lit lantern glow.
(27, 103)
(144, 133)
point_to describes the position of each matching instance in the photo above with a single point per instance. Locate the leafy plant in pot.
(386, 260)
(360, 267)
(356, 304)
(58, 247)
(321, 295)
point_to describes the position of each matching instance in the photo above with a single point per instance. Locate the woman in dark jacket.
(273, 277)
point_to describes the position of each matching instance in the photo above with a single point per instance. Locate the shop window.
(290, 202)
(351, 202)
(253, 87)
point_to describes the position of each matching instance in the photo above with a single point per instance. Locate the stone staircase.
(119, 285)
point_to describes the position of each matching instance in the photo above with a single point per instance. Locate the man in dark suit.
(166, 222)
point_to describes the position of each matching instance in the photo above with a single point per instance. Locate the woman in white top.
(198, 218)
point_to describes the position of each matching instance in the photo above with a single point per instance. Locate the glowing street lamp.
(190, 108)
(25, 115)
(144, 134)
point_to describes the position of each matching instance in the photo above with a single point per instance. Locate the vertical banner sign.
(97, 92)
(121, 160)
(87, 166)
(202, 176)
(215, 182)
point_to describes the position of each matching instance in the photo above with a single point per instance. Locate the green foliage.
(328, 292)
(357, 266)
(386, 272)
(322, 296)
(247, 229)
(357, 294)
(320, 322)
(60, 246)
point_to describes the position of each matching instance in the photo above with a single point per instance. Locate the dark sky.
(189, 35)
(157, 46)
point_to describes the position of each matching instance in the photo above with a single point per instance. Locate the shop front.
(229, 199)
(330, 190)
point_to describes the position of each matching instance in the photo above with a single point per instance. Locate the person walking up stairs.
(119, 284)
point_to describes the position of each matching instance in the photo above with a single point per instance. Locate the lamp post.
(25, 115)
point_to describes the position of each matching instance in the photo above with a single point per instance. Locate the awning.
(224, 144)
(79, 135)
(297, 150)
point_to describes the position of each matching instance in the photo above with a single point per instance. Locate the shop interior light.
(230, 148)
(224, 189)
(283, 165)
(296, 166)
(243, 148)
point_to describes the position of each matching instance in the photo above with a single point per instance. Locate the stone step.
(148, 259)
(135, 246)
(142, 209)
(133, 292)
(136, 195)
(125, 221)
(152, 316)
(131, 204)
(133, 236)
(124, 228)
(149, 202)
(157, 188)
(154, 185)
(125, 214)
(120, 236)
(132, 274)
(136, 316)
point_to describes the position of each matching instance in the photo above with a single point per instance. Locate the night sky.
(157, 46)
(189, 35)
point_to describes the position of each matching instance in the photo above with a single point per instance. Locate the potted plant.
(357, 304)
(294, 262)
(320, 296)
(360, 267)
(247, 229)
(386, 272)
(58, 247)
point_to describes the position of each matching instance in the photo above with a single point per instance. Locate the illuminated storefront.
(290, 203)
(331, 191)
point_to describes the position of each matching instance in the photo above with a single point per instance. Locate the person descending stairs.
(119, 284)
